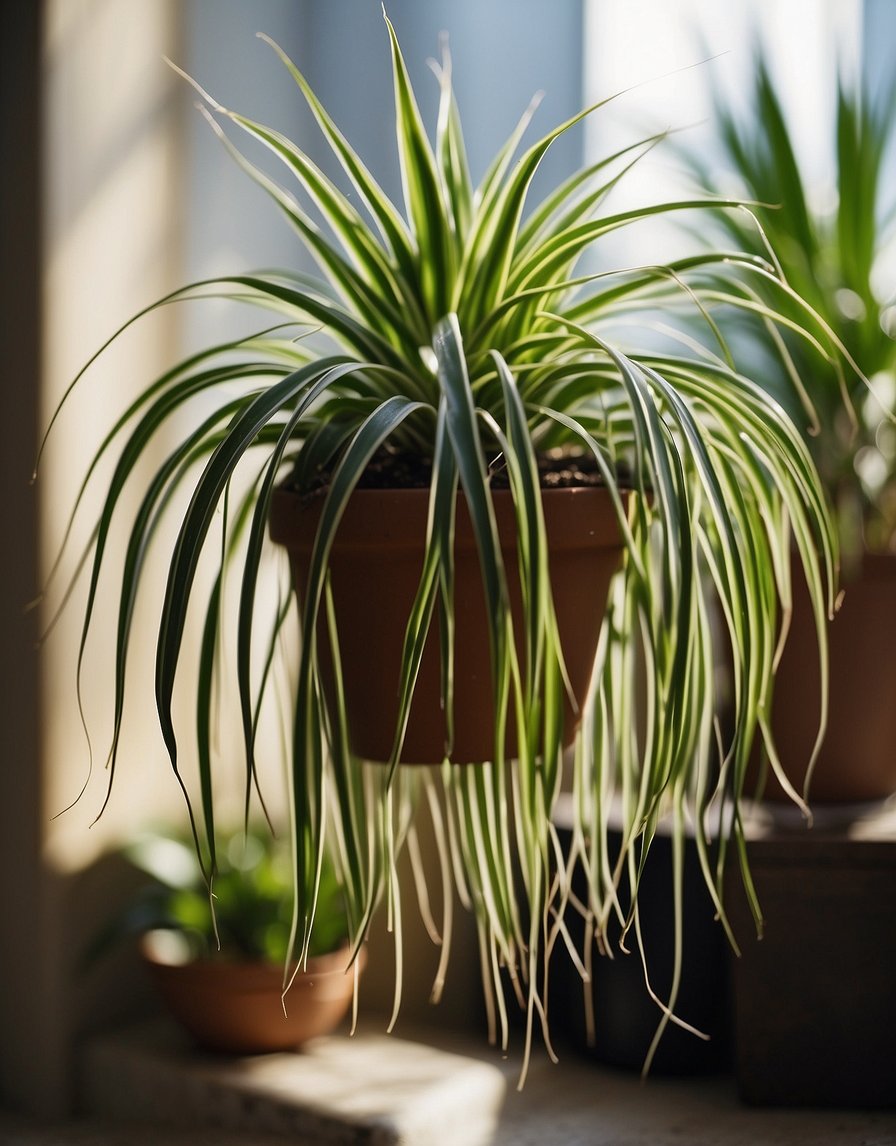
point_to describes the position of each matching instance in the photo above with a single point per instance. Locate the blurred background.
(116, 192)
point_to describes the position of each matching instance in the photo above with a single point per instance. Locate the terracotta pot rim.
(335, 962)
(500, 492)
(366, 519)
(871, 565)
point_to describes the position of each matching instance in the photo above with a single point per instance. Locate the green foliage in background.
(251, 919)
(834, 245)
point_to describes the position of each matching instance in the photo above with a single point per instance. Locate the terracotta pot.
(237, 1007)
(375, 568)
(858, 756)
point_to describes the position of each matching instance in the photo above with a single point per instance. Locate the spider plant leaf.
(438, 546)
(532, 541)
(173, 296)
(496, 174)
(861, 141)
(422, 192)
(243, 430)
(388, 219)
(159, 412)
(554, 211)
(169, 379)
(170, 401)
(558, 254)
(358, 338)
(308, 816)
(350, 819)
(369, 436)
(451, 153)
(786, 165)
(489, 250)
(204, 705)
(467, 448)
(159, 493)
(307, 748)
(320, 380)
(376, 292)
(347, 224)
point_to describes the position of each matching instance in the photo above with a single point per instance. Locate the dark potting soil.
(389, 469)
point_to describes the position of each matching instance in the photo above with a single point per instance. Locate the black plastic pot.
(815, 999)
(625, 1017)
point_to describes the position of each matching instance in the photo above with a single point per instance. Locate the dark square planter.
(625, 1018)
(815, 998)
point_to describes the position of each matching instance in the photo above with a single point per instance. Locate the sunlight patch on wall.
(111, 229)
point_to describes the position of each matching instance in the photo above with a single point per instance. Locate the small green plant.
(247, 913)
(458, 331)
(835, 248)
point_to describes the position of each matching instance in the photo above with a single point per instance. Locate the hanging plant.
(456, 335)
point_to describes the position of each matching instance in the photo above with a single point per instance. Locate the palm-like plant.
(837, 254)
(460, 331)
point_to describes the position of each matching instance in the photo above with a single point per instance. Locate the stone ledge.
(371, 1088)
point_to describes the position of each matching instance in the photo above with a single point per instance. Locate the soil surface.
(558, 470)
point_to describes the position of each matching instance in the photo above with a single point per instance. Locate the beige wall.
(110, 135)
(111, 193)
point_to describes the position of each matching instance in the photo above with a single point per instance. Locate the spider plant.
(458, 328)
(835, 248)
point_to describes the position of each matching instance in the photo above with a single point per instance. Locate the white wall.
(669, 53)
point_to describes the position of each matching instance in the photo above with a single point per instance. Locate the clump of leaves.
(837, 251)
(246, 915)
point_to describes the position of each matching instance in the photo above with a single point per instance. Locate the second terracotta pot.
(375, 567)
(238, 1007)
(858, 756)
